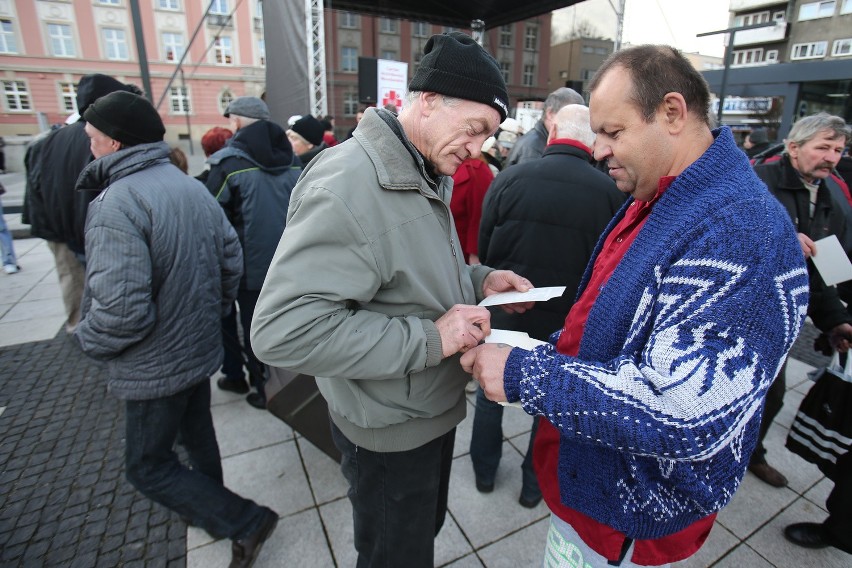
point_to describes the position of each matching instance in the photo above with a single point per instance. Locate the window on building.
(349, 59)
(587, 74)
(506, 70)
(841, 47)
(420, 29)
(388, 54)
(588, 49)
(168, 4)
(173, 46)
(778, 17)
(389, 25)
(750, 19)
(506, 36)
(68, 94)
(771, 56)
(531, 38)
(225, 99)
(110, 2)
(261, 51)
(115, 44)
(812, 50)
(748, 57)
(61, 40)
(179, 99)
(258, 9)
(814, 10)
(846, 7)
(601, 51)
(528, 79)
(16, 95)
(350, 103)
(8, 42)
(219, 7)
(223, 51)
(348, 20)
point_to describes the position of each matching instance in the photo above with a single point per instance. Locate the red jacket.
(472, 180)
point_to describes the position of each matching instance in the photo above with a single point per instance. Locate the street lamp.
(728, 52)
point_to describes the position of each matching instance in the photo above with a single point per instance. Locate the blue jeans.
(486, 446)
(8, 249)
(232, 364)
(399, 500)
(197, 493)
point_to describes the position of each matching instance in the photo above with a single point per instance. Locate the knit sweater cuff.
(512, 374)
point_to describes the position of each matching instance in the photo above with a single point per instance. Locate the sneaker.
(257, 400)
(529, 502)
(11, 268)
(238, 386)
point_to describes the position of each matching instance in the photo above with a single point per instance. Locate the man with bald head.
(541, 219)
(653, 391)
(531, 145)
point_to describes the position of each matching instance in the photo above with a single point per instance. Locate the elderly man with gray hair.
(531, 145)
(542, 220)
(800, 181)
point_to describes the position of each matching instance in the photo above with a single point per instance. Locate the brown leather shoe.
(244, 551)
(768, 474)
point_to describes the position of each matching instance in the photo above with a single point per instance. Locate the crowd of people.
(659, 370)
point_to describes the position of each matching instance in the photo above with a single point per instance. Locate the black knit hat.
(126, 117)
(309, 128)
(455, 65)
(92, 87)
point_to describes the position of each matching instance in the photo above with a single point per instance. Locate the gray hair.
(572, 121)
(449, 101)
(561, 97)
(808, 127)
(246, 120)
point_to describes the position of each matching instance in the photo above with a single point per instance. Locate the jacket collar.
(398, 164)
(106, 170)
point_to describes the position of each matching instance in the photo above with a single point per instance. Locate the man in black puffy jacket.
(53, 209)
(540, 219)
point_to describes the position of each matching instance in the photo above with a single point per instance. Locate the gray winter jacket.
(163, 263)
(369, 260)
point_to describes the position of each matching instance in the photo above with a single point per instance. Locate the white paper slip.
(533, 295)
(831, 261)
(513, 338)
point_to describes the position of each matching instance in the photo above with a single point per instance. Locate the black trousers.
(839, 505)
(399, 500)
(774, 402)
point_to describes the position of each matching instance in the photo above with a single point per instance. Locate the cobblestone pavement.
(64, 500)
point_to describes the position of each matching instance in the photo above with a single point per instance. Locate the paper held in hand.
(515, 339)
(532, 295)
(831, 261)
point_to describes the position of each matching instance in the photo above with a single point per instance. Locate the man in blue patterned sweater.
(654, 389)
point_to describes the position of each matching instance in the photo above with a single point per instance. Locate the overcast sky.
(673, 22)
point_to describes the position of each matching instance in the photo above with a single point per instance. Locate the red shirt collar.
(571, 142)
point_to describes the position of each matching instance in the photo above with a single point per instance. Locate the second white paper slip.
(831, 261)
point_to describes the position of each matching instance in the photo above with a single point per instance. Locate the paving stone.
(65, 501)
